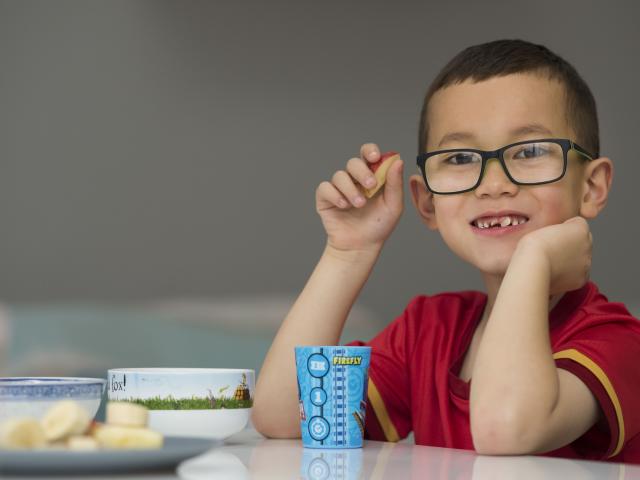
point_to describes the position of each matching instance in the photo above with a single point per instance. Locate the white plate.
(174, 451)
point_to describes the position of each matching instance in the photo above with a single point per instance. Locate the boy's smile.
(487, 115)
(495, 224)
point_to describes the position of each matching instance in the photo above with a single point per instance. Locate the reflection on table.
(250, 456)
(325, 464)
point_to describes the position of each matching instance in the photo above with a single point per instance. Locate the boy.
(511, 172)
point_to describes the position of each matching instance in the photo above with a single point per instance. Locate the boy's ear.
(597, 179)
(423, 201)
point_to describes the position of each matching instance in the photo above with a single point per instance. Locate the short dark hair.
(505, 57)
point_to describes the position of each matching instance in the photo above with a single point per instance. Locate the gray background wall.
(156, 148)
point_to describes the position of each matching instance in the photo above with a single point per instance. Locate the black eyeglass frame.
(499, 154)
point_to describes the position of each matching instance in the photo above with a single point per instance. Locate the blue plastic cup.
(332, 391)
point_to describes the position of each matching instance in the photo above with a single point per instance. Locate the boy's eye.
(461, 158)
(531, 151)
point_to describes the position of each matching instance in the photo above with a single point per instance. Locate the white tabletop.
(250, 456)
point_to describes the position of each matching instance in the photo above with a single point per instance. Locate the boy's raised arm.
(356, 231)
(520, 402)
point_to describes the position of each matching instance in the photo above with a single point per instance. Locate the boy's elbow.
(269, 427)
(275, 431)
(502, 435)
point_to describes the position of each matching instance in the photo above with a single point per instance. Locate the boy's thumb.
(393, 188)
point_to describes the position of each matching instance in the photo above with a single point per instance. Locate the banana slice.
(126, 414)
(63, 419)
(57, 446)
(115, 436)
(82, 443)
(21, 433)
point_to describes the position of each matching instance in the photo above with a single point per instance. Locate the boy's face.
(488, 115)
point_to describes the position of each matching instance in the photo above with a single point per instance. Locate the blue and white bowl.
(33, 396)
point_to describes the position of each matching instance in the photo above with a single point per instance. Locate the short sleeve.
(604, 355)
(388, 415)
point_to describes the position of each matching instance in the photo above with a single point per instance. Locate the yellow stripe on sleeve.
(576, 356)
(380, 410)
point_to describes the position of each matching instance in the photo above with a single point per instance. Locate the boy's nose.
(495, 182)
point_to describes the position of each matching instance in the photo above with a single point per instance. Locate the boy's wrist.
(530, 256)
(353, 257)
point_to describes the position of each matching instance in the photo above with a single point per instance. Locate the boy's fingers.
(578, 219)
(344, 183)
(370, 152)
(580, 223)
(328, 196)
(393, 188)
(358, 169)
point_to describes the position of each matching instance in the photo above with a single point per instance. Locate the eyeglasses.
(531, 162)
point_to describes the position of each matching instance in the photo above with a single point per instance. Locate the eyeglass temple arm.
(581, 151)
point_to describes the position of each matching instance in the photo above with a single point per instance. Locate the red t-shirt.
(415, 361)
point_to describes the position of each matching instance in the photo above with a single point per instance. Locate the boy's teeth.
(502, 221)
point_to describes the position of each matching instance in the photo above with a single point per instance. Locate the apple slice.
(380, 169)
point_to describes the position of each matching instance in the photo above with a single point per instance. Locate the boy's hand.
(566, 247)
(353, 222)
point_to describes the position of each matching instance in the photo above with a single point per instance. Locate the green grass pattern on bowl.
(193, 403)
